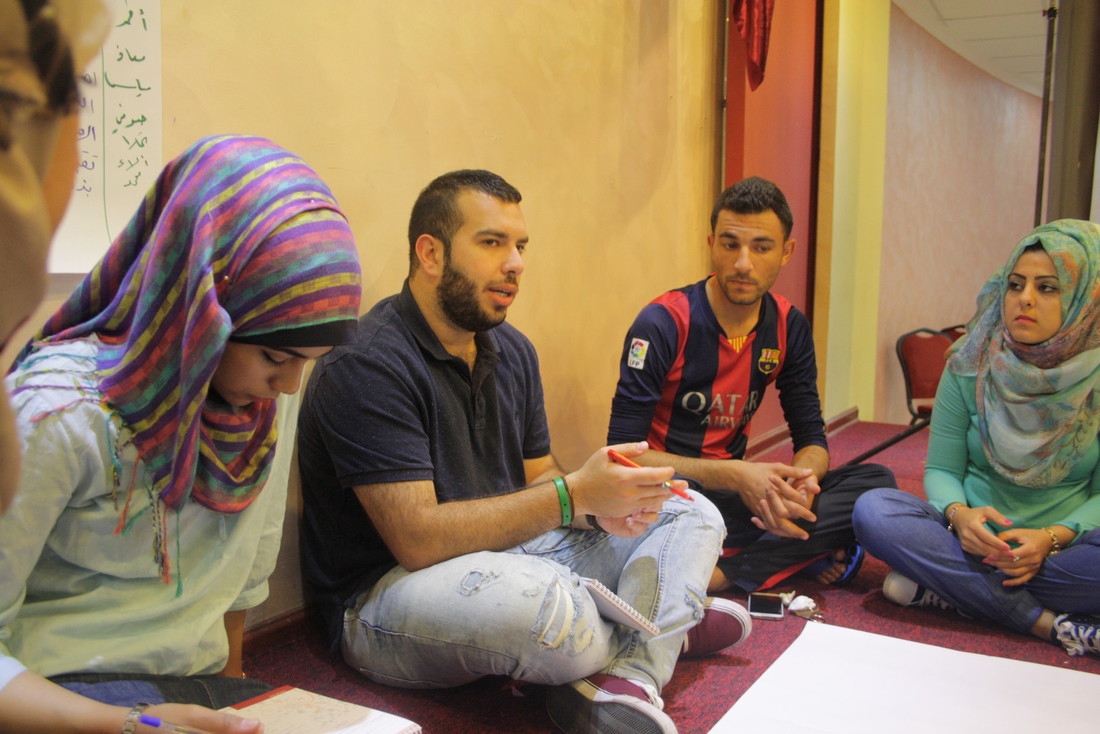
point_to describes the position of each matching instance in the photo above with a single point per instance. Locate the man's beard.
(458, 299)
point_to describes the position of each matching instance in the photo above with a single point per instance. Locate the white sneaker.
(908, 593)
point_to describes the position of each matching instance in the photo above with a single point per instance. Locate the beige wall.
(959, 192)
(602, 114)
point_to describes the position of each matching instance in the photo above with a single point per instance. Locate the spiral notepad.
(612, 607)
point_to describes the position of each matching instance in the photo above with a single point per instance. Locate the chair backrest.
(954, 332)
(921, 353)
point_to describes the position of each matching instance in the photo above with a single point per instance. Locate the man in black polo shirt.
(441, 538)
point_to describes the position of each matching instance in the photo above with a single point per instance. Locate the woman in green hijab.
(1009, 532)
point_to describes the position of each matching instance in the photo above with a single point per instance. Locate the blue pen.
(163, 725)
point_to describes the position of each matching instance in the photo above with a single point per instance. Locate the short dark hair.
(436, 209)
(754, 195)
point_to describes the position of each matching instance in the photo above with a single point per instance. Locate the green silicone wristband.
(566, 503)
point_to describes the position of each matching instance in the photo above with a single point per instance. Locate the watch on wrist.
(594, 523)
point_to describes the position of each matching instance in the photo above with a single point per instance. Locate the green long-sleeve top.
(957, 470)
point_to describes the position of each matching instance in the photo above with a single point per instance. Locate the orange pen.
(620, 459)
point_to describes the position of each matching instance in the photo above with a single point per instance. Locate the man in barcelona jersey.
(695, 365)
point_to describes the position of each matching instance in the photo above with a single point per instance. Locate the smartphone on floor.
(767, 606)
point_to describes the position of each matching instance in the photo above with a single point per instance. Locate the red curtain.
(754, 23)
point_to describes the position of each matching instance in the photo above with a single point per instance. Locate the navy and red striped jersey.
(688, 389)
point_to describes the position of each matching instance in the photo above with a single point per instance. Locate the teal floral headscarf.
(1038, 405)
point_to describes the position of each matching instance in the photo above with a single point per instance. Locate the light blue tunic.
(76, 596)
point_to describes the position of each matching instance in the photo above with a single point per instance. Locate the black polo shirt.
(395, 407)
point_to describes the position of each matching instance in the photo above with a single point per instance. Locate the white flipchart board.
(121, 120)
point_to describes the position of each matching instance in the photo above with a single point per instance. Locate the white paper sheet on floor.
(833, 680)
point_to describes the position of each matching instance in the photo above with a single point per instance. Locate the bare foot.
(835, 571)
(718, 582)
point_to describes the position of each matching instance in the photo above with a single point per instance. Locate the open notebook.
(613, 607)
(290, 710)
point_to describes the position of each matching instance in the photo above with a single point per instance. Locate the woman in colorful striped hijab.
(147, 410)
(238, 241)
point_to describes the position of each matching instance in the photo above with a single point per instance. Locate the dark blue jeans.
(126, 689)
(912, 537)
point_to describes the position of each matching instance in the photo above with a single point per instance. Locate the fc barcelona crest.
(769, 360)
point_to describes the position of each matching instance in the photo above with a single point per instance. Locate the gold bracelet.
(1055, 545)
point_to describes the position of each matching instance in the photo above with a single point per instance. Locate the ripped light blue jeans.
(522, 613)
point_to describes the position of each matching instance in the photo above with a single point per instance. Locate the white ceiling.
(1006, 38)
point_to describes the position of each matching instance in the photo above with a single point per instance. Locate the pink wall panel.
(961, 158)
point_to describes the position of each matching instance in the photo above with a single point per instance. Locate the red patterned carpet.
(701, 691)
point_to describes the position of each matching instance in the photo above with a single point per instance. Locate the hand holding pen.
(620, 459)
(603, 489)
(212, 722)
(163, 725)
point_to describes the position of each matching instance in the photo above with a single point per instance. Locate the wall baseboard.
(275, 632)
(843, 420)
(780, 435)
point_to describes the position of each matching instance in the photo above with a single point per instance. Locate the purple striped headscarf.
(237, 238)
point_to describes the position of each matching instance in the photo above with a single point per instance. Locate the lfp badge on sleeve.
(638, 349)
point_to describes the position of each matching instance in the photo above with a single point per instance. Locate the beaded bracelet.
(1055, 545)
(565, 500)
(130, 725)
(951, 515)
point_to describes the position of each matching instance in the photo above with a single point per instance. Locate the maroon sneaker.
(604, 704)
(725, 624)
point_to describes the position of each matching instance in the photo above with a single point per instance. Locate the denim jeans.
(521, 613)
(126, 689)
(912, 537)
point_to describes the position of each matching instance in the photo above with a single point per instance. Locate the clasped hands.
(1018, 552)
(778, 494)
